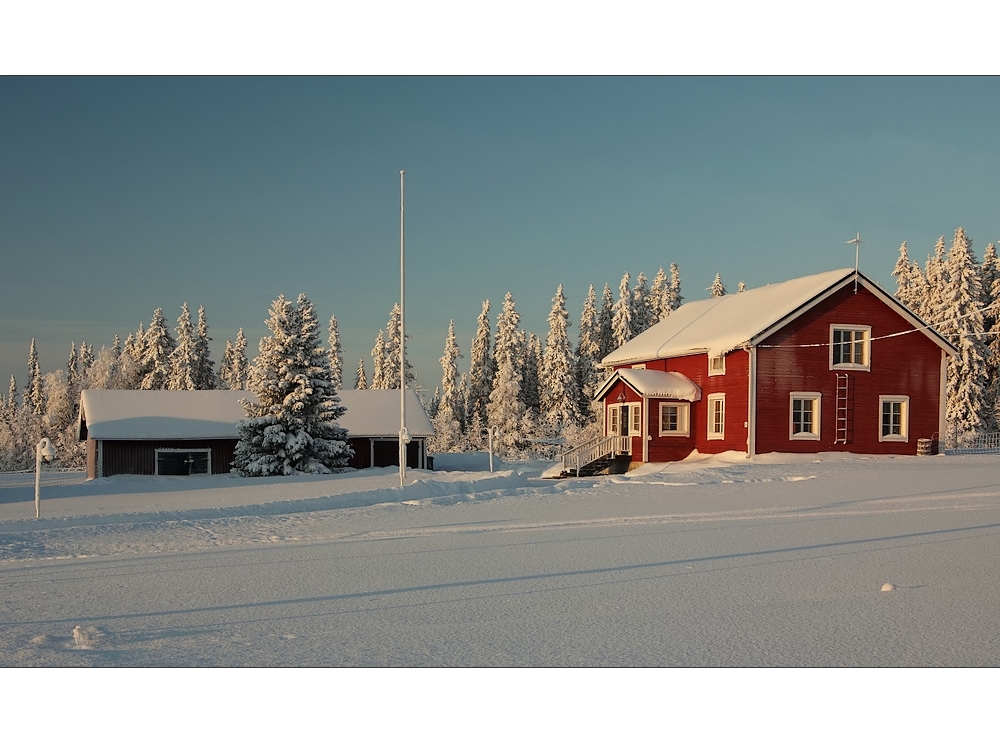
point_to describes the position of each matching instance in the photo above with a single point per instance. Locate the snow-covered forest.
(532, 390)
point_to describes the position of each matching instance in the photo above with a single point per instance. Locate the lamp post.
(44, 451)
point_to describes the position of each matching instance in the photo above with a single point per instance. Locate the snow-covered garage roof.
(202, 415)
(719, 325)
(654, 384)
(161, 415)
(375, 413)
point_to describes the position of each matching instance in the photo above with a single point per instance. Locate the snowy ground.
(719, 562)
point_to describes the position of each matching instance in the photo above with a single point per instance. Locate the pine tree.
(506, 409)
(718, 289)
(380, 377)
(658, 296)
(235, 367)
(291, 428)
(531, 373)
(204, 378)
(560, 397)
(621, 321)
(482, 369)
(394, 349)
(642, 306)
(360, 379)
(741, 287)
(904, 279)
(676, 298)
(184, 357)
(605, 329)
(86, 358)
(448, 416)
(961, 322)
(73, 364)
(588, 350)
(157, 348)
(936, 274)
(34, 394)
(336, 353)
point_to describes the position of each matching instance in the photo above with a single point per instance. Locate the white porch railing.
(576, 458)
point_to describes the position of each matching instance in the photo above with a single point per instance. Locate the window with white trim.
(717, 416)
(635, 419)
(804, 411)
(717, 365)
(639, 366)
(675, 419)
(850, 347)
(894, 424)
(181, 461)
(614, 415)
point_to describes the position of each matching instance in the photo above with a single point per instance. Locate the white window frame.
(713, 400)
(158, 451)
(614, 419)
(717, 365)
(683, 419)
(639, 366)
(866, 348)
(634, 418)
(903, 435)
(816, 399)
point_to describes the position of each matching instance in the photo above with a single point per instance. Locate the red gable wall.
(906, 365)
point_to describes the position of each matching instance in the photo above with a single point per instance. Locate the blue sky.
(121, 195)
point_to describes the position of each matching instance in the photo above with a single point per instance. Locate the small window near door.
(895, 423)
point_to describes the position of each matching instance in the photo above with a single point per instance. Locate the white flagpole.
(403, 436)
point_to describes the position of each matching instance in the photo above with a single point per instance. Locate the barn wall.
(904, 365)
(139, 456)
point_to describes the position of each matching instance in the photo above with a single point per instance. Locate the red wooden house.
(829, 362)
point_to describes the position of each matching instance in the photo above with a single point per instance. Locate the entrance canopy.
(653, 384)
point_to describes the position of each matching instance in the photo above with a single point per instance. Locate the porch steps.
(594, 457)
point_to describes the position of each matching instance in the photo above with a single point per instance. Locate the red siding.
(139, 456)
(903, 365)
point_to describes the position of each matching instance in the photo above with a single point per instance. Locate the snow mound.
(86, 637)
(888, 587)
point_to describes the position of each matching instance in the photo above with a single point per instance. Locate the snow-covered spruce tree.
(588, 349)
(642, 305)
(380, 376)
(235, 368)
(336, 353)
(961, 322)
(531, 373)
(717, 289)
(394, 350)
(34, 394)
(479, 380)
(605, 317)
(676, 298)
(621, 319)
(157, 348)
(73, 364)
(936, 275)
(560, 397)
(448, 417)
(86, 358)
(184, 357)
(991, 322)
(291, 428)
(659, 299)
(204, 377)
(904, 278)
(741, 286)
(360, 379)
(506, 410)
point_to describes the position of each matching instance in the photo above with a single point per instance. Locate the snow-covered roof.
(161, 415)
(654, 384)
(374, 412)
(719, 325)
(202, 415)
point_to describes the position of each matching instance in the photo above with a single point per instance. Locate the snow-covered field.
(782, 561)
(717, 562)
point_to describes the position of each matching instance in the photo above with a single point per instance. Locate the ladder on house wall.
(843, 407)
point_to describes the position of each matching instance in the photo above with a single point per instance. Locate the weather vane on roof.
(857, 242)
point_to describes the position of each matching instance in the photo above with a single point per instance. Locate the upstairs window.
(717, 365)
(850, 347)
